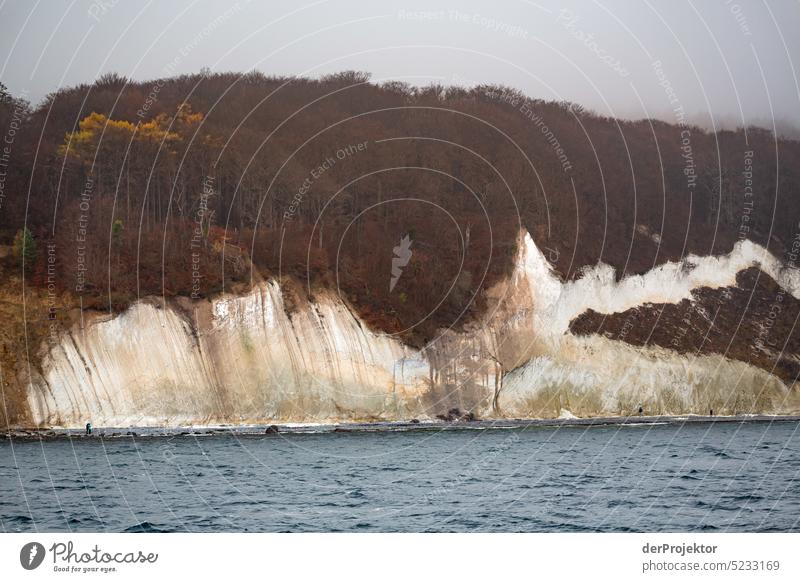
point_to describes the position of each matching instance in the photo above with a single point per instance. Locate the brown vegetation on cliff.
(754, 322)
(191, 185)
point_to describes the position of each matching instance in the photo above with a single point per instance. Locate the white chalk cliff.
(244, 359)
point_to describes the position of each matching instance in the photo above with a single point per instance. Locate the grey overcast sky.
(734, 59)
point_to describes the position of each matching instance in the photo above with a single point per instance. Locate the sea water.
(741, 476)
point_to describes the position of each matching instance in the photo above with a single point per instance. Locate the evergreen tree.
(25, 247)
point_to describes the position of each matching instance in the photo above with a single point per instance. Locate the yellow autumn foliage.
(97, 130)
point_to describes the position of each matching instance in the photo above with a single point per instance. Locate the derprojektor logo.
(31, 555)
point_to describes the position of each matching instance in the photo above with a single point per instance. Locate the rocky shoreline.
(358, 427)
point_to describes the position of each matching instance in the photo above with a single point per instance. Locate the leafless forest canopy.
(193, 185)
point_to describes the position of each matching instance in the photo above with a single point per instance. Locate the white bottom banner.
(354, 557)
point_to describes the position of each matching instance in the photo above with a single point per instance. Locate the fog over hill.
(733, 61)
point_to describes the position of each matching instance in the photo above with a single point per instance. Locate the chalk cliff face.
(244, 359)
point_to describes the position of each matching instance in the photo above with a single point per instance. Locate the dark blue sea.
(657, 477)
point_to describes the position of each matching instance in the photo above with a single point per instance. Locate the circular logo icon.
(31, 555)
